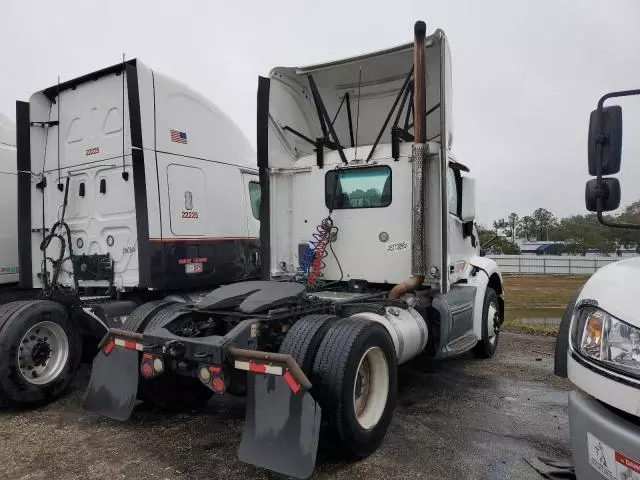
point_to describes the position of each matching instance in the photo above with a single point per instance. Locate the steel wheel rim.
(493, 320)
(371, 388)
(43, 353)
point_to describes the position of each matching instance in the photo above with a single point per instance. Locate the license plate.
(191, 268)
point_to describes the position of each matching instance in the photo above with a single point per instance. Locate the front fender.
(487, 265)
(488, 276)
(562, 339)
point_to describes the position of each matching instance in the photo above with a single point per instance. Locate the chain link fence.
(551, 264)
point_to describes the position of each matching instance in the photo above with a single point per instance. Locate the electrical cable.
(316, 251)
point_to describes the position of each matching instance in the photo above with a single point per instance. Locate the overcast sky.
(525, 74)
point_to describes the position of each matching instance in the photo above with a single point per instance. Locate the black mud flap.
(114, 384)
(281, 429)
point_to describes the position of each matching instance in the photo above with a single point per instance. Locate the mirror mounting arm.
(602, 189)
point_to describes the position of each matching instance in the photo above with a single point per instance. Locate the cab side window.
(254, 199)
(454, 191)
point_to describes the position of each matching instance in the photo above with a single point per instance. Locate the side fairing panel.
(187, 124)
(200, 199)
(188, 206)
(8, 213)
(204, 236)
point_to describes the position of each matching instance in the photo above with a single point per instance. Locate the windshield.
(368, 187)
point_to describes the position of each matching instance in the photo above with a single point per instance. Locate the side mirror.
(605, 140)
(468, 210)
(609, 191)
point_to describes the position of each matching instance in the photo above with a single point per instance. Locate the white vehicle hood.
(616, 289)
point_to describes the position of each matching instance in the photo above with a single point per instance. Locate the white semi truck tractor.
(8, 210)
(135, 193)
(599, 342)
(370, 258)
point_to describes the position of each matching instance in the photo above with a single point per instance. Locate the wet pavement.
(456, 419)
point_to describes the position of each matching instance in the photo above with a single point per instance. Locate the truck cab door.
(251, 191)
(461, 246)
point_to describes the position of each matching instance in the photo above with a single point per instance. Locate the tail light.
(151, 366)
(212, 377)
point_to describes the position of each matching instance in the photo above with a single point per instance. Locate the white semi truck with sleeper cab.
(599, 343)
(370, 258)
(142, 193)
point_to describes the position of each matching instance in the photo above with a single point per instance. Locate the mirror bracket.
(603, 194)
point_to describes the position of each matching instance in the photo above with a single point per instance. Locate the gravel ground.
(457, 419)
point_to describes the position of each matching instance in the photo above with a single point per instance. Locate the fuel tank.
(407, 329)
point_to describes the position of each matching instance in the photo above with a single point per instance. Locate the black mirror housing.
(605, 137)
(609, 190)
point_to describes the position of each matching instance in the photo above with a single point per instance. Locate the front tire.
(40, 349)
(355, 380)
(488, 345)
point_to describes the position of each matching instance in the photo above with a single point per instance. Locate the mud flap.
(281, 429)
(114, 384)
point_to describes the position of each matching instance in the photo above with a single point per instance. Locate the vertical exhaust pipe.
(419, 159)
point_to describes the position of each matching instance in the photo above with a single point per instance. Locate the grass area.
(532, 302)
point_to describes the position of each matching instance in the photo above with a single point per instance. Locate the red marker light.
(218, 385)
(147, 369)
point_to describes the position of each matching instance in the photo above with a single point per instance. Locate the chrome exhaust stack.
(418, 169)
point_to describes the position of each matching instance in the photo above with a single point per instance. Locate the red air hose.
(319, 242)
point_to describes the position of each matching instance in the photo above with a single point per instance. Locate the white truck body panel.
(295, 175)
(612, 392)
(8, 206)
(373, 242)
(614, 288)
(184, 195)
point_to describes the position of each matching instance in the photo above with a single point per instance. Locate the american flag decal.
(178, 137)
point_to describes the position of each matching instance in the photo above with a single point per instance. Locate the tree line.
(579, 234)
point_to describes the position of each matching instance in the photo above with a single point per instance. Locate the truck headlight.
(607, 340)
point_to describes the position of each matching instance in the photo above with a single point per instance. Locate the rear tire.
(40, 349)
(171, 391)
(304, 337)
(487, 346)
(358, 405)
(139, 318)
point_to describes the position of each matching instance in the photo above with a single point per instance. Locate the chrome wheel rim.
(43, 353)
(371, 388)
